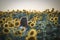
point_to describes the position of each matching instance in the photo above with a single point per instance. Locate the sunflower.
(56, 23)
(52, 10)
(23, 29)
(32, 23)
(18, 33)
(29, 22)
(24, 11)
(1, 13)
(17, 23)
(11, 24)
(9, 18)
(4, 19)
(28, 12)
(51, 14)
(13, 21)
(6, 25)
(16, 19)
(35, 18)
(1, 21)
(31, 38)
(13, 11)
(32, 32)
(51, 19)
(55, 18)
(6, 31)
(17, 11)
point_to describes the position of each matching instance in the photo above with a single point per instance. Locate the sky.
(29, 4)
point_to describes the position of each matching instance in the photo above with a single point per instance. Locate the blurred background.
(29, 4)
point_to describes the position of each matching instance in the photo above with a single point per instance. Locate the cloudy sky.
(29, 4)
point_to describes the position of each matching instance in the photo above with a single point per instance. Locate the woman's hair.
(24, 21)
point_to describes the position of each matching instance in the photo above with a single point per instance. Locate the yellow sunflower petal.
(32, 32)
